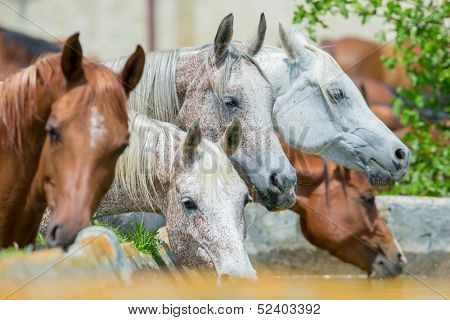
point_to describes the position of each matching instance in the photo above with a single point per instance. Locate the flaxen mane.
(103, 89)
(154, 154)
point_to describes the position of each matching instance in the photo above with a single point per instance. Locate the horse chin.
(378, 176)
(276, 201)
(205, 260)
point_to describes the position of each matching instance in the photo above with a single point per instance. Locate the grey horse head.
(319, 110)
(193, 183)
(218, 82)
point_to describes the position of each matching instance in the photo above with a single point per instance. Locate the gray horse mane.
(153, 156)
(156, 93)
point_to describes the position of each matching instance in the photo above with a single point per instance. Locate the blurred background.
(111, 28)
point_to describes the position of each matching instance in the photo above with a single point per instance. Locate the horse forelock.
(233, 55)
(102, 89)
(18, 105)
(154, 155)
(326, 69)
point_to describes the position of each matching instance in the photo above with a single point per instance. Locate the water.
(153, 285)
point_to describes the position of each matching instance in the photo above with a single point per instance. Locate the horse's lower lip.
(275, 201)
(379, 176)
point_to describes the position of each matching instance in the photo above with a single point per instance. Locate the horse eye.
(231, 102)
(368, 199)
(53, 133)
(336, 94)
(189, 204)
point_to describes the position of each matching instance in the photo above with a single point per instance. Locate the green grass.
(122, 238)
(40, 239)
(14, 250)
(146, 241)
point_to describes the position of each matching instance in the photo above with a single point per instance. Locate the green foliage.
(422, 45)
(145, 240)
(15, 250)
(40, 240)
(122, 238)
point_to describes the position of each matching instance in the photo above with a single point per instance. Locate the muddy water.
(204, 286)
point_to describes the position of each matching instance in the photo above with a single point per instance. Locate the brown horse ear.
(132, 72)
(232, 137)
(257, 40)
(286, 42)
(223, 38)
(192, 140)
(72, 60)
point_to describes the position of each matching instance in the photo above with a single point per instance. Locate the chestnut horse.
(18, 51)
(63, 124)
(338, 213)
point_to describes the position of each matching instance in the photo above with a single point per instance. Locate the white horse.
(319, 110)
(193, 183)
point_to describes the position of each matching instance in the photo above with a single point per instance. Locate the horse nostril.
(53, 233)
(400, 154)
(402, 259)
(276, 180)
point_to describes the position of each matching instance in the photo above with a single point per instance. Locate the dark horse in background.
(18, 51)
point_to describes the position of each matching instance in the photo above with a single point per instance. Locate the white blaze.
(97, 129)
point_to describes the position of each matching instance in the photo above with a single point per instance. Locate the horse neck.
(312, 172)
(190, 71)
(144, 175)
(155, 96)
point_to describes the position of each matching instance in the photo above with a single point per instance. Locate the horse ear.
(72, 60)
(294, 45)
(232, 137)
(256, 41)
(223, 37)
(192, 140)
(286, 42)
(132, 72)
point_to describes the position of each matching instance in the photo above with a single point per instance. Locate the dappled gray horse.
(215, 83)
(193, 183)
(319, 110)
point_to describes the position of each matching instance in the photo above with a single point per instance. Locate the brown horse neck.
(309, 168)
(26, 102)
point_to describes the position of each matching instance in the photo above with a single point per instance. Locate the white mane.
(156, 93)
